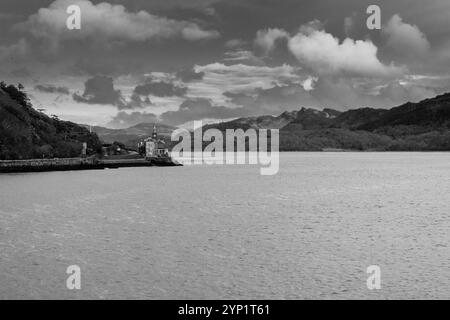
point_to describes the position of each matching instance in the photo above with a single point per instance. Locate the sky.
(176, 61)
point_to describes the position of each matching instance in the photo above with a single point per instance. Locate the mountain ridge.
(421, 126)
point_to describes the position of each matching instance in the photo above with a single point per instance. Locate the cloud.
(235, 43)
(125, 120)
(239, 77)
(197, 109)
(330, 92)
(52, 89)
(243, 73)
(266, 39)
(282, 98)
(243, 56)
(399, 93)
(405, 39)
(188, 75)
(100, 90)
(343, 94)
(109, 22)
(160, 89)
(326, 55)
(273, 100)
(136, 102)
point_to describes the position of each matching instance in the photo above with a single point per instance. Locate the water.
(226, 232)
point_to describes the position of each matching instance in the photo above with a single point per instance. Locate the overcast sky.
(181, 60)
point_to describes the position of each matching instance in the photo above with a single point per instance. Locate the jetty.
(93, 163)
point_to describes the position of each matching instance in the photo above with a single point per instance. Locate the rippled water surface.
(227, 232)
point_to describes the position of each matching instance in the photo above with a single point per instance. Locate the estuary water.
(227, 232)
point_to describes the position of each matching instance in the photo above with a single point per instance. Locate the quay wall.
(43, 162)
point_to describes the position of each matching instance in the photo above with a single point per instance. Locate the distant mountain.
(131, 136)
(354, 119)
(312, 119)
(261, 122)
(431, 113)
(27, 133)
(413, 126)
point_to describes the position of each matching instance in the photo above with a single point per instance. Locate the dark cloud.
(188, 75)
(160, 89)
(197, 109)
(273, 100)
(136, 102)
(100, 90)
(52, 89)
(126, 120)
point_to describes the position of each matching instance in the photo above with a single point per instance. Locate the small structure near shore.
(152, 147)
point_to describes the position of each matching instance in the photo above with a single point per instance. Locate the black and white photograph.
(224, 150)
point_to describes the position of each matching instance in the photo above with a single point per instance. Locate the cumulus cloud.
(48, 88)
(324, 54)
(100, 90)
(405, 39)
(160, 89)
(109, 22)
(125, 120)
(266, 39)
(197, 109)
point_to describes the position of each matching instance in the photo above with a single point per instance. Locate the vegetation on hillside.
(26, 133)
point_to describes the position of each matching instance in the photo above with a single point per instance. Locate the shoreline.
(75, 164)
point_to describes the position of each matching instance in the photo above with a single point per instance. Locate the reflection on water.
(226, 232)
